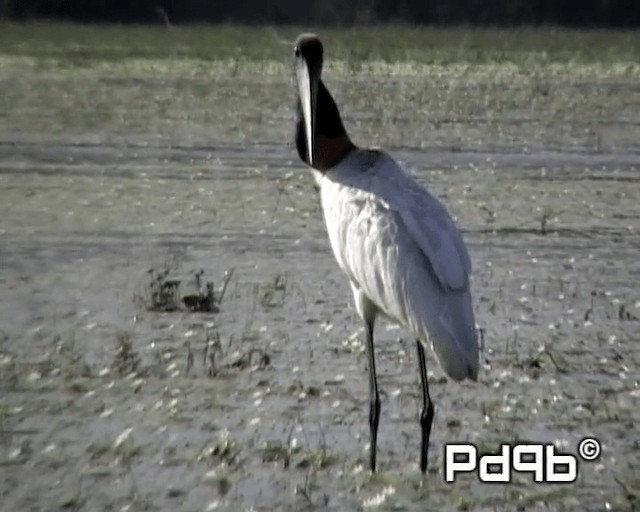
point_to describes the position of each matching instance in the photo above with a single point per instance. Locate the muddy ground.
(112, 169)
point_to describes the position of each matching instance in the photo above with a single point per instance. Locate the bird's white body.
(403, 255)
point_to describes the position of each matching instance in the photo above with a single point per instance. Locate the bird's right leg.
(374, 397)
(426, 417)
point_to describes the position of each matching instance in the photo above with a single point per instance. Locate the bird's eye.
(296, 52)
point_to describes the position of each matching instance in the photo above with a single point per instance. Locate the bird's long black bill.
(426, 417)
(374, 397)
(308, 90)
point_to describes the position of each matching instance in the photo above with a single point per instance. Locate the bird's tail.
(448, 322)
(454, 338)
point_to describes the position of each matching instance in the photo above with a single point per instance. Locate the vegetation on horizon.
(388, 43)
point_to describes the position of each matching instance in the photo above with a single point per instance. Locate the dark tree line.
(585, 13)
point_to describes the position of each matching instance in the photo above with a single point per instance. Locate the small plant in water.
(126, 359)
(206, 300)
(273, 293)
(163, 291)
(275, 451)
(212, 349)
(544, 219)
(225, 450)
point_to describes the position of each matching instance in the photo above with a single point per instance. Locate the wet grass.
(123, 144)
(141, 85)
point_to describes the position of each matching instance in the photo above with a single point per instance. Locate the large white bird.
(401, 250)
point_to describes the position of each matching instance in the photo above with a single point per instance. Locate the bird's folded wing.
(431, 228)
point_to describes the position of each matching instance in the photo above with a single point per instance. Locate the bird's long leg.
(374, 397)
(426, 417)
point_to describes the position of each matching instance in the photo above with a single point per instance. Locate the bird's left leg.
(426, 417)
(374, 396)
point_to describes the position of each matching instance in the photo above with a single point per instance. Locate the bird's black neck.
(331, 142)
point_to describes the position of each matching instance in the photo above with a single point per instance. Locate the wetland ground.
(125, 149)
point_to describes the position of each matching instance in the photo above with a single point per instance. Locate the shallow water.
(85, 212)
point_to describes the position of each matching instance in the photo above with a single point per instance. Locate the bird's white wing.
(403, 254)
(426, 220)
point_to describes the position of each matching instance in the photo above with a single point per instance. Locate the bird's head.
(321, 139)
(307, 60)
